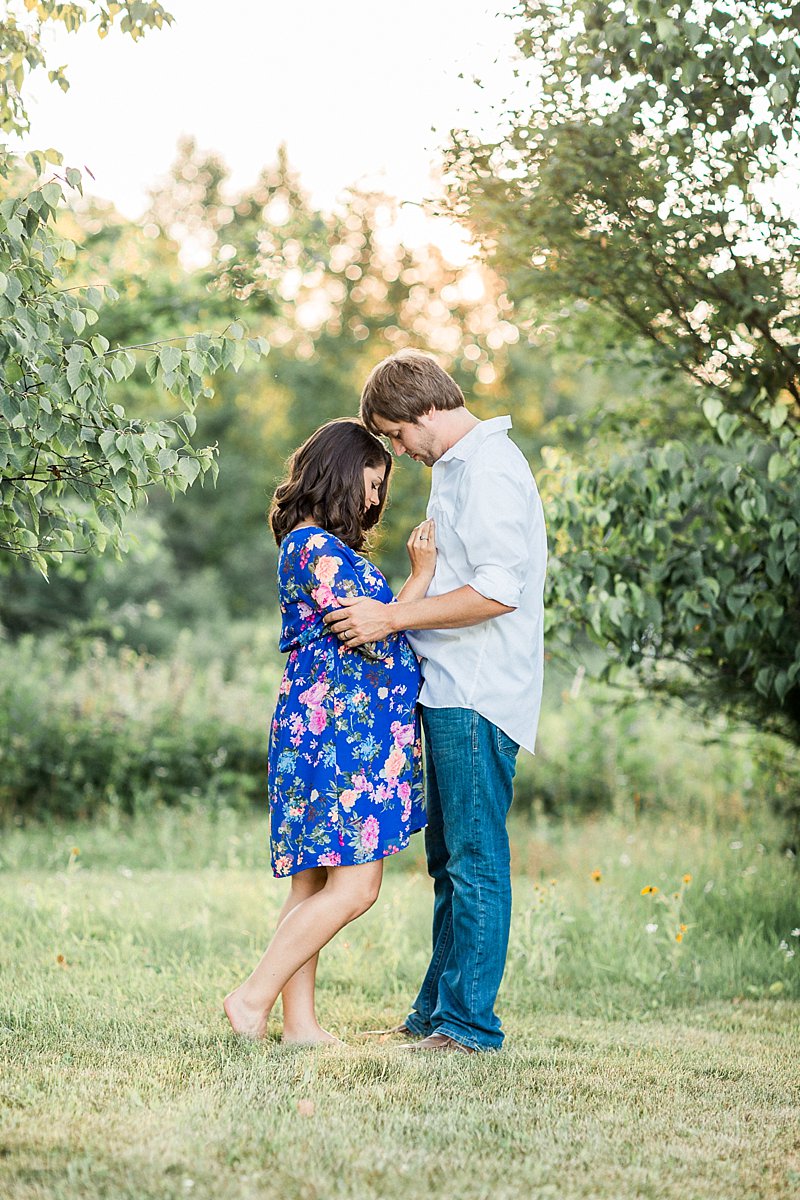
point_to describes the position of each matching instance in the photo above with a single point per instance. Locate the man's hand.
(360, 620)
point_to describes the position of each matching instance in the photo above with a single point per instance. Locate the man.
(479, 636)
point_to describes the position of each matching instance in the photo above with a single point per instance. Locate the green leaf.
(727, 425)
(107, 440)
(26, 538)
(75, 374)
(729, 477)
(37, 161)
(675, 458)
(189, 468)
(777, 415)
(170, 358)
(667, 29)
(51, 193)
(122, 365)
(712, 407)
(13, 289)
(777, 468)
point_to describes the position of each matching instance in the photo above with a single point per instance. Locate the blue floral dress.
(345, 758)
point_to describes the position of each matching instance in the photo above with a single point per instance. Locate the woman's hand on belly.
(361, 620)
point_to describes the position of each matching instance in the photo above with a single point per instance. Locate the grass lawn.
(635, 1065)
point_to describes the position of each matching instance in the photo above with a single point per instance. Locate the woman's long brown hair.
(325, 483)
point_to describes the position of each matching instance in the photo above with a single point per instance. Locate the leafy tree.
(639, 193)
(21, 50)
(73, 464)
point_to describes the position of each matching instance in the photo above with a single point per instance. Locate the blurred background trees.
(330, 294)
(635, 309)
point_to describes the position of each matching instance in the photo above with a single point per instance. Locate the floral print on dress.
(345, 757)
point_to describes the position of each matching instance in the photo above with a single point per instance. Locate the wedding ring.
(423, 537)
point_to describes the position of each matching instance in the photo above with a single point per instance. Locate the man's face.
(418, 439)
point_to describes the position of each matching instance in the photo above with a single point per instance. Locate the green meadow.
(636, 1064)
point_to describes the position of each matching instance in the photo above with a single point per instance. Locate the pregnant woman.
(345, 775)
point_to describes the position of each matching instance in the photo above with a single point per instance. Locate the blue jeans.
(470, 766)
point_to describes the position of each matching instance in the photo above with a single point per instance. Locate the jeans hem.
(458, 1035)
(415, 1024)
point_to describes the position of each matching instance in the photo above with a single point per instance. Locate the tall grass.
(83, 727)
(724, 899)
(635, 1065)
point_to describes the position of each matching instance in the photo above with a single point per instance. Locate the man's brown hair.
(406, 385)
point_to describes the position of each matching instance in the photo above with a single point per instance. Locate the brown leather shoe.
(439, 1041)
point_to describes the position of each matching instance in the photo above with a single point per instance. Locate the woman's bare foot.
(246, 1021)
(310, 1037)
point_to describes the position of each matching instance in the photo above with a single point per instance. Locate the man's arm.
(493, 520)
(365, 620)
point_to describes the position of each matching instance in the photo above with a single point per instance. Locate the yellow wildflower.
(684, 928)
(687, 879)
(678, 937)
(596, 875)
(649, 890)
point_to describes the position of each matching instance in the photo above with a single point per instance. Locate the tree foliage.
(646, 177)
(73, 464)
(686, 558)
(21, 50)
(644, 180)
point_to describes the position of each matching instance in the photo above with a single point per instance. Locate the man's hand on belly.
(368, 620)
(360, 620)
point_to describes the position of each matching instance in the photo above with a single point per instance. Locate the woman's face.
(373, 480)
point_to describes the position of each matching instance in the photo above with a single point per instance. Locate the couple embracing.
(459, 650)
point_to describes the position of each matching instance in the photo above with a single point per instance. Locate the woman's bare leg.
(306, 928)
(300, 1024)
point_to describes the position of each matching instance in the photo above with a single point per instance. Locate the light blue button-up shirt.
(490, 534)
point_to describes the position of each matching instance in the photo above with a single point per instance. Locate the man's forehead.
(384, 424)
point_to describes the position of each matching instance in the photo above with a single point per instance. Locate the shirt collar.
(466, 446)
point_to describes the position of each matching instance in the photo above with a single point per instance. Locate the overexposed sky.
(359, 91)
